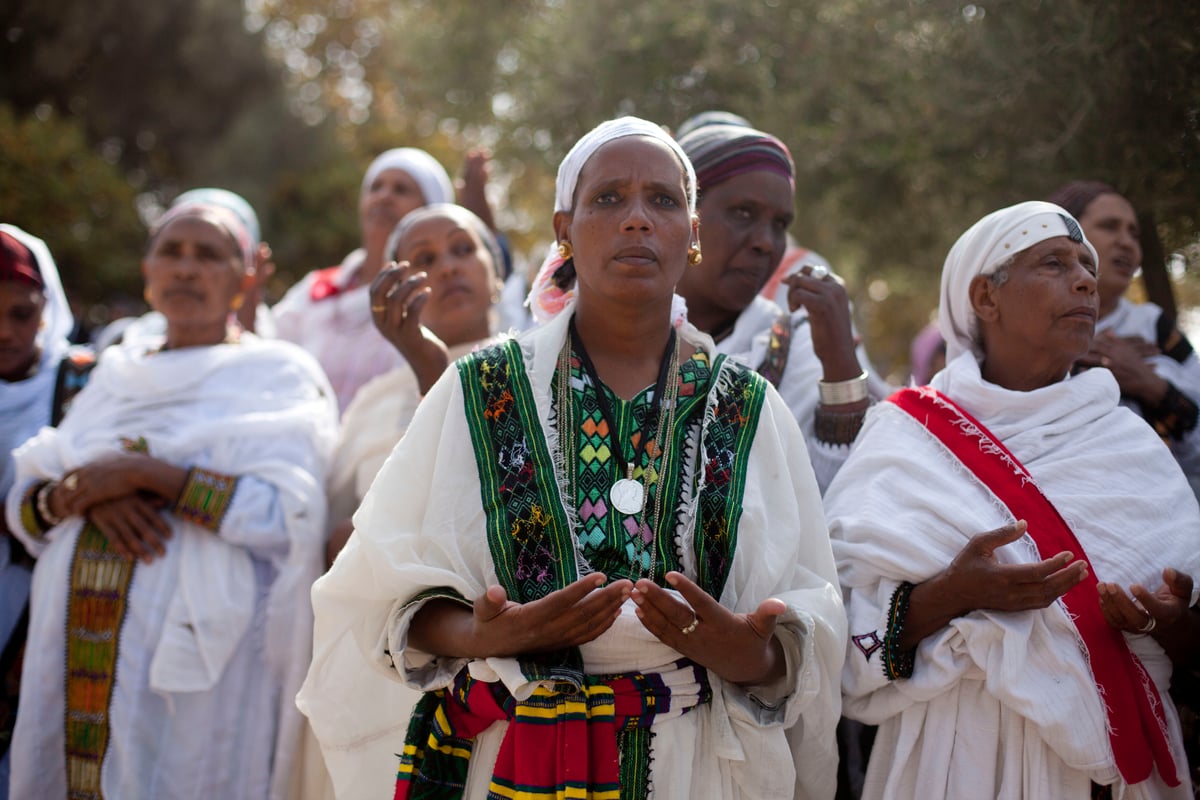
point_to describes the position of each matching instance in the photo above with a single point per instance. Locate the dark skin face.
(459, 275)
(630, 227)
(1110, 224)
(743, 232)
(1037, 323)
(21, 308)
(193, 271)
(390, 197)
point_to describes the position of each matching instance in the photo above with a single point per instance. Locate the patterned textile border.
(96, 607)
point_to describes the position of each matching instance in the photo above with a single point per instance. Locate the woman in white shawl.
(519, 563)
(1154, 363)
(177, 517)
(328, 311)
(987, 529)
(435, 304)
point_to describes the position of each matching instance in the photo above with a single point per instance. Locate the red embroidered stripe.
(1136, 726)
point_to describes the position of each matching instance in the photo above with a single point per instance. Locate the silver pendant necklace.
(626, 495)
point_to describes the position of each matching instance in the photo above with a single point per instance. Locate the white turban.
(985, 246)
(602, 134)
(234, 202)
(546, 300)
(423, 168)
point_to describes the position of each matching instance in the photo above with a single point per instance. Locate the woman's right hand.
(498, 627)
(398, 294)
(975, 581)
(133, 526)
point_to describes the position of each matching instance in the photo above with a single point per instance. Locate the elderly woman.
(39, 374)
(1153, 362)
(746, 182)
(602, 514)
(987, 529)
(177, 517)
(328, 312)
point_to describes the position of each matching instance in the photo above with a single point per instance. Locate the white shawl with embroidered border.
(260, 410)
(1009, 694)
(422, 525)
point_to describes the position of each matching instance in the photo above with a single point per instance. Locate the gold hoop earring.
(694, 255)
(565, 251)
(236, 303)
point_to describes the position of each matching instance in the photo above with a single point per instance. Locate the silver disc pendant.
(627, 496)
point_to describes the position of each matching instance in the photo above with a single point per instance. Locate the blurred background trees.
(907, 120)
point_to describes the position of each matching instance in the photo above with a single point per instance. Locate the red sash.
(323, 285)
(1136, 725)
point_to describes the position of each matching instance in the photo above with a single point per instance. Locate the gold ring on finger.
(71, 482)
(377, 308)
(686, 630)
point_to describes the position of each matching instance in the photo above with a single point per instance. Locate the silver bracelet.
(839, 393)
(42, 503)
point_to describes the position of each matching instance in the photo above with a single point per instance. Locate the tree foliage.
(908, 120)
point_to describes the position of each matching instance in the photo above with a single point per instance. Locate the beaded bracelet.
(42, 501)
(1175, 415)
(31, 517)
(898, 662)
(205, 497)
(836, 427)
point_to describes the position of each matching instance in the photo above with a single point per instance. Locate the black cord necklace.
(627, 495)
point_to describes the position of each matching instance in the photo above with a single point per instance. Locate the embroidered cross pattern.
(867, 643)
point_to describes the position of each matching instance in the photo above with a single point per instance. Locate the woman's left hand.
(828, 308)
(741, 648)
(107, 478)
(1145, 612)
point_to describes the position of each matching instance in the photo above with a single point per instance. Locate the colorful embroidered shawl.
(1137, 730)
(534, 554)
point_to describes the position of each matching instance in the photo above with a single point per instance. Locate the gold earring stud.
(565, 251)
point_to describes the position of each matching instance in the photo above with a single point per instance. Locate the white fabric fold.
(208, 615)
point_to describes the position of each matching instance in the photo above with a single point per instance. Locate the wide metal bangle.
(839, 393)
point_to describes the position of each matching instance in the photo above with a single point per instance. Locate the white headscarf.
(986, 245)
(227, 199)
(423, 168)
(545, 299)
(25, 405)
(220, 214)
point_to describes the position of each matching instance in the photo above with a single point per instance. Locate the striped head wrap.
(721, 152)
(217, 214)
(709, 118)
(234, 202)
